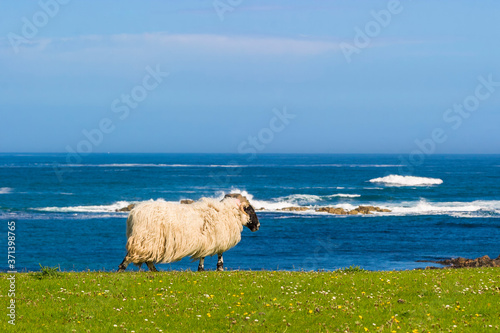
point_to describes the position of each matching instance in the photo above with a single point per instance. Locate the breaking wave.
(5, 190)
(473, 209)
(343, 195)
(302, 199)
(288, 201)
(257, 204)
(478, 208)
(396, 180)
(87, 209)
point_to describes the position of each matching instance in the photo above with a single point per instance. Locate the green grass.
(352, 300)
(46, 271)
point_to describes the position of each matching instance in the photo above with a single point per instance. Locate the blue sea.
(447, 206)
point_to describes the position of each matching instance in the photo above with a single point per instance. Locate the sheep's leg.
(201, 266)
(151, 266)
(220, 263)
(124, 264)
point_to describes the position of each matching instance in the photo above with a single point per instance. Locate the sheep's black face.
(254, 223)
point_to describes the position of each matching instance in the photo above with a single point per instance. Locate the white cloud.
(208, 43)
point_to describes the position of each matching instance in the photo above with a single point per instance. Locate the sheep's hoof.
(120, 269)
(201, 269)
(220, 269)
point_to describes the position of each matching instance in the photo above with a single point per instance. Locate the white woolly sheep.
(162, 232)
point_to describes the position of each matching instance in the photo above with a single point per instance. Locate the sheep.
(162, 232)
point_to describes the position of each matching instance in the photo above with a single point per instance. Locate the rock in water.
(186, 202)
(335, 210)
(294, 209)
(369, 209)
(460, 262)
(359, 210)
(332, 210)
(366, 209)
(126, 209)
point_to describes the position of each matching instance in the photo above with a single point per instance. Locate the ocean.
(447, 206)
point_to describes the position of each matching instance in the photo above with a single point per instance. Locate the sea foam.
(87, 209)
(478, 208)
(5, 190)
(258, 204)
(343, 195)
(304, 199)
(301, 200)
(396, 180)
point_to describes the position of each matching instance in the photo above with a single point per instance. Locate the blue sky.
(228, 71)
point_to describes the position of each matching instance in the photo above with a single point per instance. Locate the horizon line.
(232, 153)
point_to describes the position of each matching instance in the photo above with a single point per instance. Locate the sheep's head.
(253, 223)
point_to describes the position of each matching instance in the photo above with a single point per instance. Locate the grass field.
(460, 300)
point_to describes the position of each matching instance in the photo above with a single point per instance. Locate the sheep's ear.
(242, 209)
